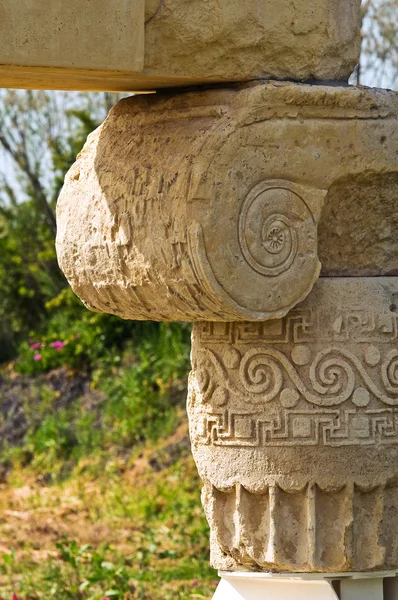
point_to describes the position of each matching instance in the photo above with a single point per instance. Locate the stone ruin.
(261, 205)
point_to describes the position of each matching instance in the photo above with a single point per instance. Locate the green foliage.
(41, 134)
(52, 441)
(140, 405)
(74, 337)
(79, 571)
(29, 274)
(131, 381)
(134, 394)
(166, 555)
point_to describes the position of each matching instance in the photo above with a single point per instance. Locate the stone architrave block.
(71, 35)
(205, 205)
(139, 45)
(294, 429)
(228, 40)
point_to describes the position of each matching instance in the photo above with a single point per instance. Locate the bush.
(141, 403)
(132, 382)
(75, 338)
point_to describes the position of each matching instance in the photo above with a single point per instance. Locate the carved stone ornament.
(205, 205)
(294, 428)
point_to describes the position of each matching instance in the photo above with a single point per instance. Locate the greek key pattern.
(303, 428)
(269, 398)
(324, 376)
(303, 325)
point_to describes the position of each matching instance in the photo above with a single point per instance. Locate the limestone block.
(138, 45)
(229, 40)
(73, 34)
(358, 231)
(205, 205)
(294, 429)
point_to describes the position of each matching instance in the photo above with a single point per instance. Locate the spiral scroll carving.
(302, 453)
(269, 239)
(389, 372)
(332, 375)
(261, 374)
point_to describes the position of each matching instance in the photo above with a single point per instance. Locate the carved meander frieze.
(333, 399)
(294, 428)
(322, 375)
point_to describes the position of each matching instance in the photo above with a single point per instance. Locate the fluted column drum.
(294, 428)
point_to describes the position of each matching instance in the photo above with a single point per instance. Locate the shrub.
(74, 337)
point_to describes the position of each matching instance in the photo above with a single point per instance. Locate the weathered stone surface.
(358, 231)
(294, 428)
(204, 206)
(224, 40)
(138, 45)
(72, 35)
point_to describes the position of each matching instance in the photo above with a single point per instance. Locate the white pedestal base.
(308, 586)
(249, 587)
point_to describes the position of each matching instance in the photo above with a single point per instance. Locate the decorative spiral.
(271, 225)
(204, 379)
(280, 237)
(332, 375)
(204, 375)
(389, 372)
(261, 374)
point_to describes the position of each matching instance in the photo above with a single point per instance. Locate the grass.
(99, 495)
(135, 531)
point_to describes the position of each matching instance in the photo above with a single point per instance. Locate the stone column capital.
(205, 205)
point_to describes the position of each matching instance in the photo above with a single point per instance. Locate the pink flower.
(57, 345)
(194, 583)
(15, 597)
(37, 357)
(35, 346)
